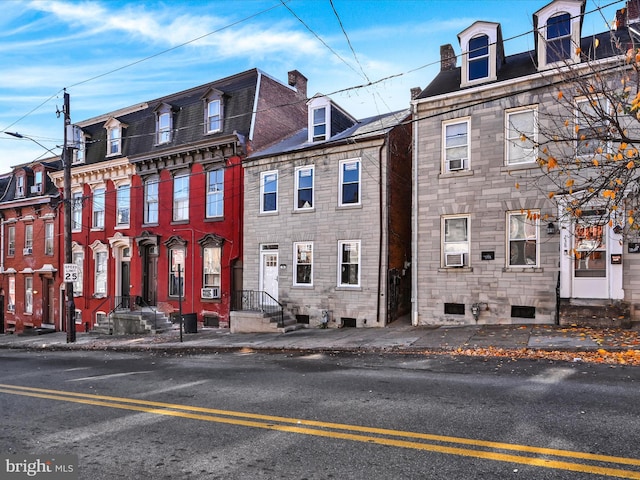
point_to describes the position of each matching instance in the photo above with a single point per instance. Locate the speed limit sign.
(71, 272)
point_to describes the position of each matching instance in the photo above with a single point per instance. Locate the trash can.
(190, 321)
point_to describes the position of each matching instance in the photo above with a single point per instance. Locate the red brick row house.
(157, 192)
(30, 251)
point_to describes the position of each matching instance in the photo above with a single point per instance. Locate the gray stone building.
(489, 246)
(327, 219)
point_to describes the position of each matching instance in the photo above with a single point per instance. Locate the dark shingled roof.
(139, 136)
(523, 64)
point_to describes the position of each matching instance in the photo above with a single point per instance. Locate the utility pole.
(68, 255)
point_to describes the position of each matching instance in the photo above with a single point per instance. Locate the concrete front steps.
(247, 321)
(133, 322)
(595, 313)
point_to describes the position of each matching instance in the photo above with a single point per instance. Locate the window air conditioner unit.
(456, 164)
(27, 251)
(36, 188)
(11, 308)
(211, 292)
(454, 260)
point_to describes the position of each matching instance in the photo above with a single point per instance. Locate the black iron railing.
(257, 301)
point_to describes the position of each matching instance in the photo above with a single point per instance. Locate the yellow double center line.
(466, 447)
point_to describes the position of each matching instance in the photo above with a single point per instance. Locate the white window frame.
(343, 183)
(20, 186)
(38, 183)
(543, 16)
(481, 57)
(114, 140)
(303, 257)
(151, 200)
(28, 295)
(550, 51)
(11, 297)
(342, 262)
(100, 277)
(451, 246)
(177, 258)
(264, 178)
(78, 259)
(514, 141)
(523, 229)
(319, 127)
(163, 127)
(181, 197)
(11, 241)
(449, 161)
(214, 119)
(304, 172)
(212, 268)
(123, 205)
(588, 148)
(48, 238)
(77, 199)
(28, 236)
(98, 206)
(215, 193)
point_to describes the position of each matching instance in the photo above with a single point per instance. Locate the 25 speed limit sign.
(71, 272)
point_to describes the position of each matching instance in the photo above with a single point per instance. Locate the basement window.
(348, 322)
(518, 311)
(454, 308)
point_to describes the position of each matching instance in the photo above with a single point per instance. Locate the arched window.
(558, 38)
(478, 57)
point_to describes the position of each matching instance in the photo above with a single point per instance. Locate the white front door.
(269, 275)
(590, 266)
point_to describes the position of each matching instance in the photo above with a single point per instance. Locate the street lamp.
(19, 135)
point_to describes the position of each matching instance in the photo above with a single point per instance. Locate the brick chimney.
(415, 91)
(448, 58)
(299, 82)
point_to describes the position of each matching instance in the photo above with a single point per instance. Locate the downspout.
(385, 144)
(414, 229)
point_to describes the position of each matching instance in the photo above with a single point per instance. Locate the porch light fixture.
(551, 229)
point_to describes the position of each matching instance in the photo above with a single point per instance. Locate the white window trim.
(76, 206)
(578, 114)
(467, 160)
(118, 206)
(263, 176)
(341, 182)
(77, 251)
(103, 194)
(155, 180)
(163, 131)
(186, 199)
(207, 117)
(536, 221)
(295, 265)
(99, 247)
(507, 123)
(543, 15)
(479, 28)
(212, 194)
(340, 262)
(297, 187)
(317, 103)
(466, 253)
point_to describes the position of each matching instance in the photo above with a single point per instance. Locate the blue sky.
(110, 54)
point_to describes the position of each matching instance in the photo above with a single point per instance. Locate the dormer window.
(213, 111)
(557, 29)
(163, 124)
(482, 53)
(558, 38)
(37, 187)
(479, 57)
(114, 136)
(20, 186)
(319, 124)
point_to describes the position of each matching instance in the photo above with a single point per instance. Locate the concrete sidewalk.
(401, 338)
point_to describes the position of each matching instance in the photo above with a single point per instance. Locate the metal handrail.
(257, 301)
